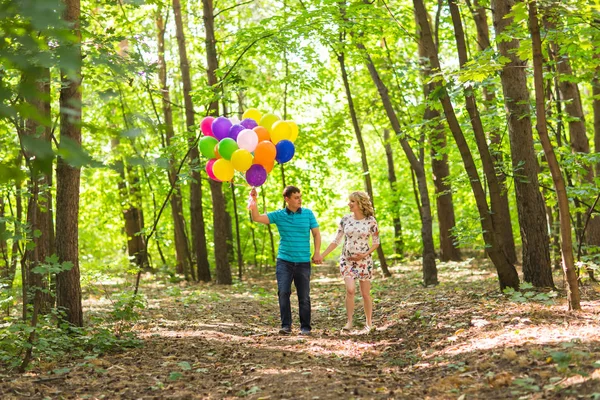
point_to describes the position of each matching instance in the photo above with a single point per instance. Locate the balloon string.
(251, 202)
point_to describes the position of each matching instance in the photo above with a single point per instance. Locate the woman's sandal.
(345, 328)
(369, 329)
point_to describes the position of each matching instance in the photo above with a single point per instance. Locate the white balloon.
(234, 120)
(247, 140)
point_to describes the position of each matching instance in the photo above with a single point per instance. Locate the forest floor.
(462, 339)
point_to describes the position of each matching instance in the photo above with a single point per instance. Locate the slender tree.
(479, 13)
(68, 285)
(439, 165)
(596, 108)
(218, 201)
(571, 98)
(182, 249)
(389, 156)
(507, 273)
(530, 202)
(429, 265)
(361, 145)
(559, 183)
(132, 213)
(495, 190)
(196, 212)
(39, 218)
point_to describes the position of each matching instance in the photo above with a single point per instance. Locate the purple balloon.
(220, 127)
(248, 123)
(235, 130)
(285, 151)
(256, 175)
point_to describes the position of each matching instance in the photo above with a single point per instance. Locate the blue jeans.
(287, 272)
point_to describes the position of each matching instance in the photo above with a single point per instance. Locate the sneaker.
(305, 332)
(286, 330)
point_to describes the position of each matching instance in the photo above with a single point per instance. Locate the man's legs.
(284, 273)
(302, 282)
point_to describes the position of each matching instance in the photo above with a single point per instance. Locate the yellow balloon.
(223, 170)
(252, 113)
(279, 131)
(268, 120)
(241, 160)
(294, 129)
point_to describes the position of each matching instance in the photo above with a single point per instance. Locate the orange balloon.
(269, 166)
(264, 153)
(217, 155)
(262, 133)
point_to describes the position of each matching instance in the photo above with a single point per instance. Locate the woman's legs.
(350, 292)
(365, 291)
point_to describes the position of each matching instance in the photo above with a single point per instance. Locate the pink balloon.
(206, 126)
(209, 170)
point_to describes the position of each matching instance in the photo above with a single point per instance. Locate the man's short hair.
(290, 190)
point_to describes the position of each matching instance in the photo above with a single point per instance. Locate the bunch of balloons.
(250, 146)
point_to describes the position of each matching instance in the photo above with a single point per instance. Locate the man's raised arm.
(256, 216)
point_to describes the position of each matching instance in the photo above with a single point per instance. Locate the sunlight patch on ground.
(517, 336)
(328, 280)
(210, 332)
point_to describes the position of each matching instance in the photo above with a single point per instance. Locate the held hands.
(317, 259)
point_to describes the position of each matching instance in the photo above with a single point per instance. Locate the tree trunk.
(8, 263)
(499, 220)
(596, 107)
(40, 195)
(132, 215)
(363, 153)
(68, 285)
(530, 202)
(196, 212)
(182, 250)
(4, 270)
(238, 242)
(429, 266)
(569, 95)
(559, 184)
(507, 274)
(389, 155)
(441, 170)
(495, 138)
(223, 269)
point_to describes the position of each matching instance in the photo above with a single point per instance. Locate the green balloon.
(227, 147)
(207, 146)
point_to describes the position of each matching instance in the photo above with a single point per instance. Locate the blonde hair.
(364, 202)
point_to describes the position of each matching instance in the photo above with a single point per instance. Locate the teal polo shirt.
(294, 232)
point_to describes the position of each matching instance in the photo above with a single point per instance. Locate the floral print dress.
(356, 233)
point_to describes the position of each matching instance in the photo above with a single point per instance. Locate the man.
(295, 224)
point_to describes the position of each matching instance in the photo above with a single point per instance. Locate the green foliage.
(127, 306)
(526, 383)
(527, 293)
(55, 341)
(247, 392)
(52, 266)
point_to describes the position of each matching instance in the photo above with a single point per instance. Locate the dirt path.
(460, 340)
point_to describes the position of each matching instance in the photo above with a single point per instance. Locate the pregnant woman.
(355, 261)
